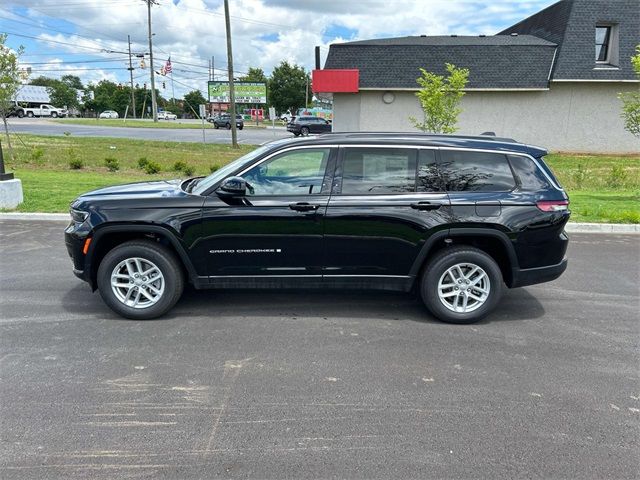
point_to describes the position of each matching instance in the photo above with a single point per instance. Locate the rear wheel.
(30, 114)
(20, 113)
(304, 131)
(228, 126)
(140, 280)
(461, 285)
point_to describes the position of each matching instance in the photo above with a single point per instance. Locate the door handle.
(425, 206)
(303, 207)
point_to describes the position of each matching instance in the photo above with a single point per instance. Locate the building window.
(603, 43)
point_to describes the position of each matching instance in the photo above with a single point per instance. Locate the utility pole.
(133, 97)
(154, 104)
(232, 96)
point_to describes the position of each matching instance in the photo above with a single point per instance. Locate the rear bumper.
(532, 276)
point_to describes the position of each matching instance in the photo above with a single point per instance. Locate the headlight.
(78, 216)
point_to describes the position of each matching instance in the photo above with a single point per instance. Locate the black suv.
(453, 218)
(306, 125)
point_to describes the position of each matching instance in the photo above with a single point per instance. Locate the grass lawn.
(602, 188)
(133, 123)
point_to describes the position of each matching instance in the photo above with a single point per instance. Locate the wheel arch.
(108, 237)
(493, 242)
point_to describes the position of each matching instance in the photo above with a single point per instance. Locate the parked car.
(455, 218)
(43, 110)
(109, 114)
(306, 125)
(224, 120)
(166, 116)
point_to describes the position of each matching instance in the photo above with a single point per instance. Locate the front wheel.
(30, 114)
(140, 280)
(461, 285)
(228, 126)
(20, 113)
(54, 114)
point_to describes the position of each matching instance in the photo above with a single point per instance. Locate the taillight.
(553, 205)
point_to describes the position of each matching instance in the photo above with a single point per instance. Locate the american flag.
(167, 66)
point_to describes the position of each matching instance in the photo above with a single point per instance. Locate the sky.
(73, 36)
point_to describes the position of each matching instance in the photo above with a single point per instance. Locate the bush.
(214, 168)
(579, 176)
(142, 163)
(76, 163)
(152, 167)
(188, 170)
(112, 164)
(179, 166)
(618, 177)
(36, 155)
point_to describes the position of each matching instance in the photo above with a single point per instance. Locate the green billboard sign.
(245, 92)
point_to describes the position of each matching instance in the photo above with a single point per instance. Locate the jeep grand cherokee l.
(455, 219)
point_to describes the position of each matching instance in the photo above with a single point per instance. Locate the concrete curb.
(620, 228)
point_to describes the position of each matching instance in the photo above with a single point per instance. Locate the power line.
(77, 61)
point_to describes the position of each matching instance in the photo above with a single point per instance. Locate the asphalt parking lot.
(241, 384)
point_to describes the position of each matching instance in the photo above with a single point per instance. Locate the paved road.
(250, 136)
(318, 385)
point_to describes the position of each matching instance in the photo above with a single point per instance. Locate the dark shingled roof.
(572, 23)
(503, 61)
(494, 62)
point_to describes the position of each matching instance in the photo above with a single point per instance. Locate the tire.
(30, 114)
(170, 282)
(54, 115)
(449, 307)
(304, 131)
(215, 125)
(228, 126)
(296, 134)
(240, 128)
(20, 113)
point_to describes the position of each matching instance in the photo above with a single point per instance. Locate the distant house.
(538, 81)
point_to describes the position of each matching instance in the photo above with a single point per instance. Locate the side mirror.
(234, 187)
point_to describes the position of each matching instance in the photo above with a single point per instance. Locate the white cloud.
(265, 32)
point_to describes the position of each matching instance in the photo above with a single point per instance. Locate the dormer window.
(607, 40)
(603, 43)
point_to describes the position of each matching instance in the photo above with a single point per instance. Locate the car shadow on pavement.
(515, 305)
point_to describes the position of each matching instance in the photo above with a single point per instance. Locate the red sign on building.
(335, 81)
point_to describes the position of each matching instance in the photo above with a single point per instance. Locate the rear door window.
(372, 171)
(470, 171)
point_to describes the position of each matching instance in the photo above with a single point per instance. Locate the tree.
(287, 87)
(61, 92)
(439, 98)
(73, 81)
(9, 83)
(191, 102)
(631, 101)
(254, 75)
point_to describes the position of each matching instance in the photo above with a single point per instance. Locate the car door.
(386, 202)
(44, 111)
(276, 230)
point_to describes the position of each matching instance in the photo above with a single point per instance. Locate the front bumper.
(532, 276)
(74, 238)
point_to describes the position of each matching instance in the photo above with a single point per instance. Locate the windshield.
(204, 184)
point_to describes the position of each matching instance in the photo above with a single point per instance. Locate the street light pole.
(154, 105)
(232, 99)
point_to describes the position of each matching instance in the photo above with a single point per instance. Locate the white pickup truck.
(44, 110)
